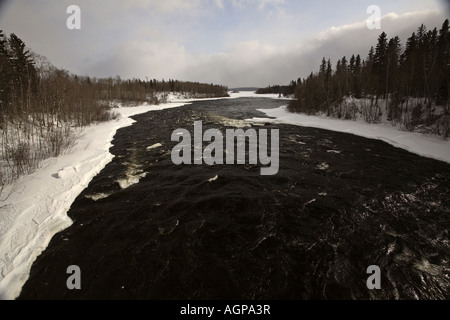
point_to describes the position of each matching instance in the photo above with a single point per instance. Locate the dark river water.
(148, 229)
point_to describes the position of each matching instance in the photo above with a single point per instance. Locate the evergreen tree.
(380, 63)
(357, 77)
(443, 63)
(5, 76)
(408, 65)
(24, 71)
(392, 64)
(368, 73)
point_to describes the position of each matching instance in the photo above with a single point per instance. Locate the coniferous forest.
(40, 105)
(407, 85)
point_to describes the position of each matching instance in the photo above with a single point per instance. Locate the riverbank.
(430, 146)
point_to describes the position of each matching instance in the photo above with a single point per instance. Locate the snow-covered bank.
(428, 146)
(37, 204)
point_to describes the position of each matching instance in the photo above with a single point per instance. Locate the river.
(146, 228)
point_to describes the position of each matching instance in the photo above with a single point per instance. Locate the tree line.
(277, 89)
(40, 105)
(408, 85)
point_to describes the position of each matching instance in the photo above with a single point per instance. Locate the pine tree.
(392, 78)
(408, 65)
(430, 67)
(357, 78)
(5, 77)
(344, 75)
(443, 62)
(420, 66)
(368, 73)
(24, 71)
(392, 64)
(351, 66)
(380, 63)
(337, 84)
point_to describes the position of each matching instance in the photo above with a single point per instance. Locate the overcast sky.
(230, 42)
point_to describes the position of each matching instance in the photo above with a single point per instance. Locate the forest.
(405, 85)
(41, 106)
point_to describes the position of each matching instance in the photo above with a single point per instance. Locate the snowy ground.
(37, 204)
(428, 146)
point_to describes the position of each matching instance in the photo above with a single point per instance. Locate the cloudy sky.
(230, 42)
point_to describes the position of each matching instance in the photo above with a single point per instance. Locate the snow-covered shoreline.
(429, 146)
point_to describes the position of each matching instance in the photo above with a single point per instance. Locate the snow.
(425, 145)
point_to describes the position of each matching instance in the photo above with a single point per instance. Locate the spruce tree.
(24, 72)
(5, 77)
(443, 62)
(357, 77)
(380, 63)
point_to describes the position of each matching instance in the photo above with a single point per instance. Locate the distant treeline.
(277, 89)
(41, 104)
(192, 88)
(404, 83)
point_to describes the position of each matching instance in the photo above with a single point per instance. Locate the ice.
(98, 196)
(156, 145)
(132, 177)
(214, 178)
(323, 166)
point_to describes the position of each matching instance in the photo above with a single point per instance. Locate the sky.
(230, 42)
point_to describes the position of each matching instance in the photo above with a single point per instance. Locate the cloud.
(158, 6)
(140, 59)
(219, 4)
(260, 4)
